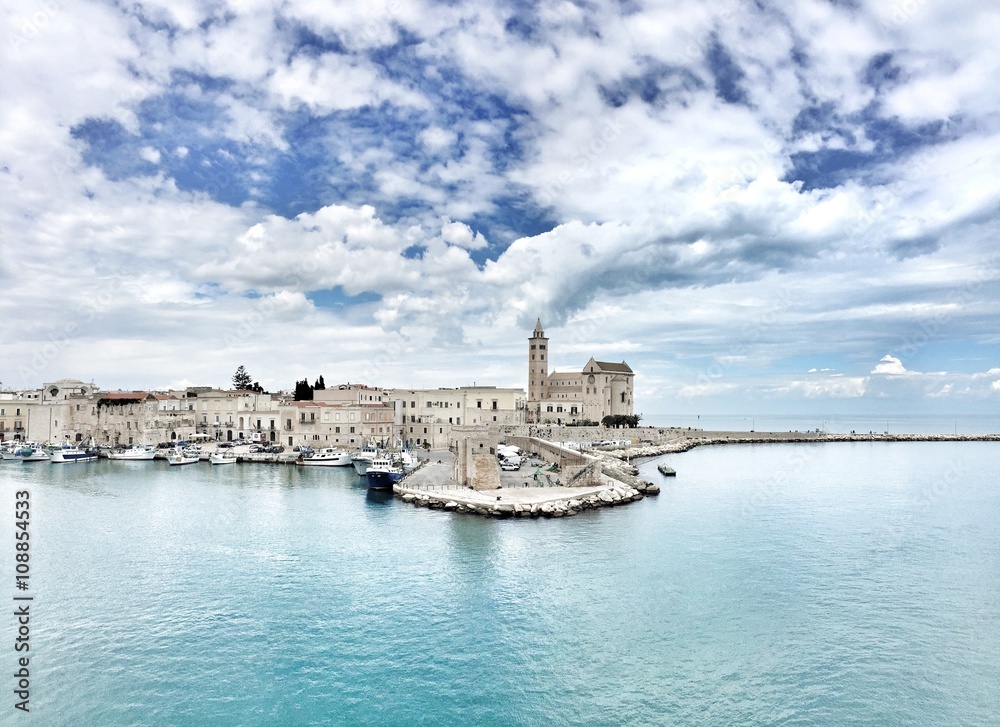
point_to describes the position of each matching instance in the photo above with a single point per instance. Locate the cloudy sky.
(762, 207)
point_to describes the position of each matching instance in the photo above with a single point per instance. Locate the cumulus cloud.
(816, 183)
(460, 234)
(891, 366)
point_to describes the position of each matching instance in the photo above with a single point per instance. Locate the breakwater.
(688, 440)
(529, 502)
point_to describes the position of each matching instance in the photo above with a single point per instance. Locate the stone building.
(346, 425)
(141, 417)
(599, 389)
(425, 417)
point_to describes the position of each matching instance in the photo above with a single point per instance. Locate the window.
(479, 404)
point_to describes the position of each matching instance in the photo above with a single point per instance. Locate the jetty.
(534, 491)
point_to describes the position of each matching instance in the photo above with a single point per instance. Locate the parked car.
(225, 445)
(274, 449)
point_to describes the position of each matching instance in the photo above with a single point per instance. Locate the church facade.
(600, 389)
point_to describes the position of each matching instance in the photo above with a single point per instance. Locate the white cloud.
(460, 234)
(437, 139)
(668, 215)
(150, 154)
(891, 366)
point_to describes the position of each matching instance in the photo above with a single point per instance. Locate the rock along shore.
(530, 503)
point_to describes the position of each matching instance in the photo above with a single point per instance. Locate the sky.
(761, 207)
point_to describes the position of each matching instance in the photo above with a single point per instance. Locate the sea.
(853, 583)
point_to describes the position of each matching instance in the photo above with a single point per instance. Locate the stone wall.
(575, 468)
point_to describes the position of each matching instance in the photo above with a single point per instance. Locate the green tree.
(320, 384)
(241, 379)
(303, 391)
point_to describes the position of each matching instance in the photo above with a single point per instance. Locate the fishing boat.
(188, 455)
(382, 474)
(226, 457)
(362, 459)
(133, 453)
(406, 460)
(327, 457)
(69, 454)
(667, 471)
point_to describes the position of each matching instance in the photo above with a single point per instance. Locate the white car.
(508, 465)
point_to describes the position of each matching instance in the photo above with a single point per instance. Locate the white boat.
(328, 457)
(362, 459)
(135, 452)
(188, 455)
(406, 460)
(31, 454)
(222, 458)
(68, 454)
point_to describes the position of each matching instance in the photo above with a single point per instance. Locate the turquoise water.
(787, 584)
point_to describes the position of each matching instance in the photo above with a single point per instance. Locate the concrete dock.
(518, 496)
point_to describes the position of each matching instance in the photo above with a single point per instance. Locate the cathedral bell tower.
(538, 365)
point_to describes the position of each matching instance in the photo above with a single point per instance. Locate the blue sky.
(761, 207)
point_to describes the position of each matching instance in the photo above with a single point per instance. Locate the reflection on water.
(379, 497)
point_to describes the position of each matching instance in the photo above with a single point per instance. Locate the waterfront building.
(424, 417)
(227, 415)
(13, 416)
(142, 417)
(351, 394)
(599, 389)
(61, 411)
(350, 425)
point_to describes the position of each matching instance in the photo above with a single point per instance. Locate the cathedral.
(598, 390)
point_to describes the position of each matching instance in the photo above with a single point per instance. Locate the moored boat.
(33, 454)
(382, 474)
(189, 455)
(135, 452)
(363, 459)
(407, 461)
(68, 454)
(222, 458)
(328, 457)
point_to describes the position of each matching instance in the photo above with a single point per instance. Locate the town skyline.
(761, 210)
